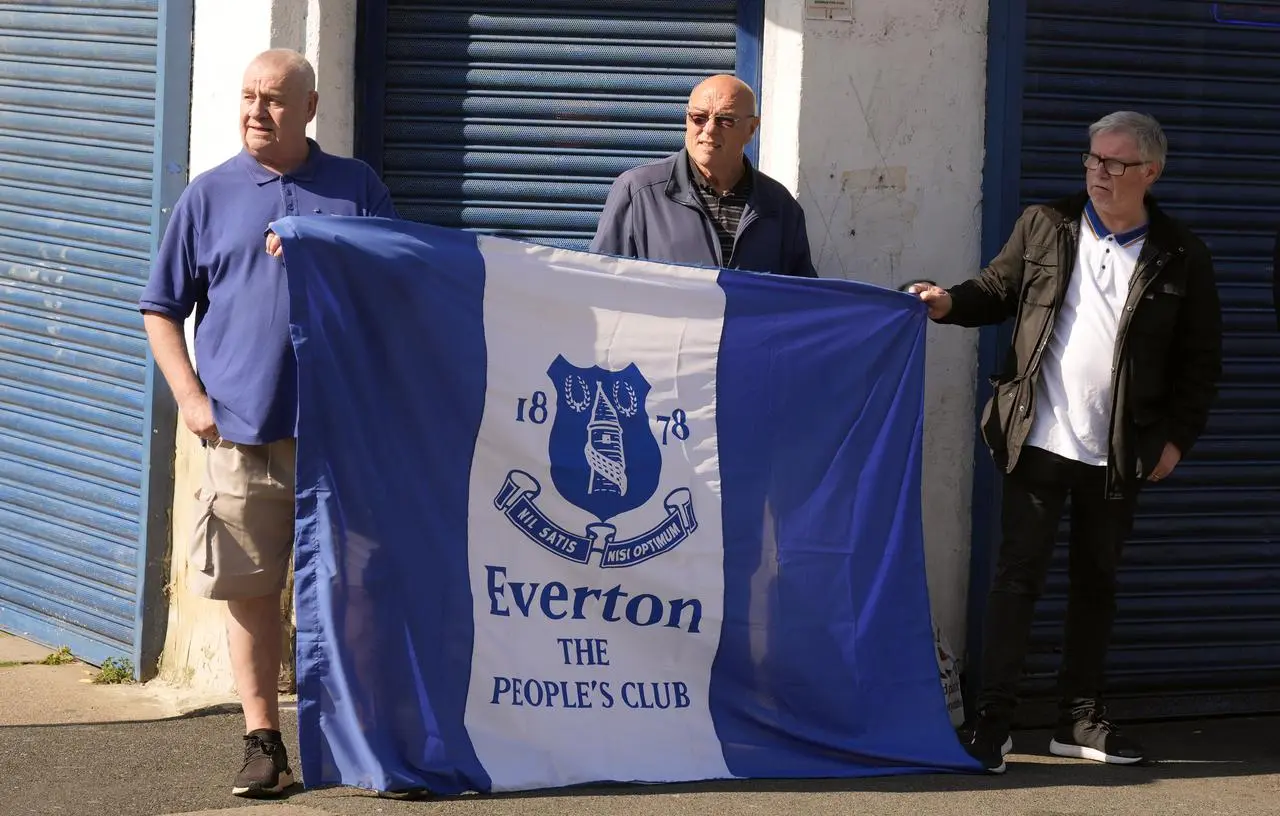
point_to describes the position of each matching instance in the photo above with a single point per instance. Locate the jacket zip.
(709, 228)
(748, 215)
(1138, 287)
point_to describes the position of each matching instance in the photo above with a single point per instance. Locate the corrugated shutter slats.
(77, 110)
(1200, 582)
(515, 118)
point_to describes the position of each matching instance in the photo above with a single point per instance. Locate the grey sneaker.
(266, 772)
(1097, 738)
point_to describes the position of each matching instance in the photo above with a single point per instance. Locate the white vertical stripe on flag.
(541, 303)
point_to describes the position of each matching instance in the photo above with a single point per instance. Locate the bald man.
(215, 260)
(707, 205)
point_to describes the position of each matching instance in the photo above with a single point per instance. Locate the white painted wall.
(877, 125)
(228, 34)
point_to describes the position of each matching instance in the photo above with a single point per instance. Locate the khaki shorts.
(244, 537)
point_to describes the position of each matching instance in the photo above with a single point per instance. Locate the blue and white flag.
(565, 518)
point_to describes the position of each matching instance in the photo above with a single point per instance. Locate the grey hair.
(1145, 130)
(294, 64)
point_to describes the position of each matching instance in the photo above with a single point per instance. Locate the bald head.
(288, 64)
(729, 91)
(277, 100)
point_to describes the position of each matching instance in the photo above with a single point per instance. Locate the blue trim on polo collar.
(1100, 230)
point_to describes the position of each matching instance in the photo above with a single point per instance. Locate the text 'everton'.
(555, 601)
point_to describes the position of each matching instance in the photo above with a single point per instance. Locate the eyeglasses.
(1114, 167)
(699, 120)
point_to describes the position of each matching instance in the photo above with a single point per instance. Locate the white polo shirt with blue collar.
(1074, 399)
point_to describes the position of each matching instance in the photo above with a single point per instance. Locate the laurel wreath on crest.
(569, 388)
(628, 410)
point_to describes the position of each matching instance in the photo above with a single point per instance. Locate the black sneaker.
(966, 735)
(406, 795)
(987, 741)
(1095, 737)
(266, 770)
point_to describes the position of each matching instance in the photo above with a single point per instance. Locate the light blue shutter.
(78, 144)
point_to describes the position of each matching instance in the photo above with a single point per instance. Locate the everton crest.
(605, 460)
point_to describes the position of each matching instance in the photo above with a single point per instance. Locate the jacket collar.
(680, 186)
(1162, 231)
(262, 175)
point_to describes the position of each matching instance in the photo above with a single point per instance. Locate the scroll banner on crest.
(565, 518)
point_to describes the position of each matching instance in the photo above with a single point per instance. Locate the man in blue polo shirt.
(215, 260)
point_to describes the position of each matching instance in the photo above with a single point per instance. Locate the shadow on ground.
(186, 764)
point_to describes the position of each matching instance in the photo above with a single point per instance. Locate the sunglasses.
(700, 120)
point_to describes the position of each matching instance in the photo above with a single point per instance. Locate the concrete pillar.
(877, 124)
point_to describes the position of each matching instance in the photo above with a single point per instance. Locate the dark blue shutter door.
(514, 118)
(1199, 602)
(77, 110)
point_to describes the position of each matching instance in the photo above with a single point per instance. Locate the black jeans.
(1034, 496)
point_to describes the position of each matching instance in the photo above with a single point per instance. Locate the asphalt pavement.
(185, 765)
(72, 748)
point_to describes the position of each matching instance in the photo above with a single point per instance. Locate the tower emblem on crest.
(605, 455)
(604, 459)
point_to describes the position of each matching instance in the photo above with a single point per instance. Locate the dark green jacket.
(1168, 353)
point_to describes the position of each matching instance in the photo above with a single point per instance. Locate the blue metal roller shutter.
(78, 199)
(1200, 596)
(514, 118)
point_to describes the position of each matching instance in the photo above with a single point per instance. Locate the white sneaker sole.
(1007, 748)
(1081, 752)
(285, 781)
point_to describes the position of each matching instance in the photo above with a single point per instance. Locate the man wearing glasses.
(707, 205)
(1114, 360)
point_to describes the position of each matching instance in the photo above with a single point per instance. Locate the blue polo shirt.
(213, 261)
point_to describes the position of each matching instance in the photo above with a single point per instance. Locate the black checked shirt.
(725, 210)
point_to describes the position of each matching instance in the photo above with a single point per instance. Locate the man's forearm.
(169, 347)
(977, 302)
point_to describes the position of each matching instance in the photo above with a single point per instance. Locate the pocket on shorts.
(204, 485)
(213, 467)
(200, 552)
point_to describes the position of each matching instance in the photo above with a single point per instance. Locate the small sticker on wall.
(829, 10)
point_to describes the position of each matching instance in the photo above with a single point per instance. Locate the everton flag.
(565, 518)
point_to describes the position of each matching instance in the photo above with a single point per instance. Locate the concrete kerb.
(36, 693)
